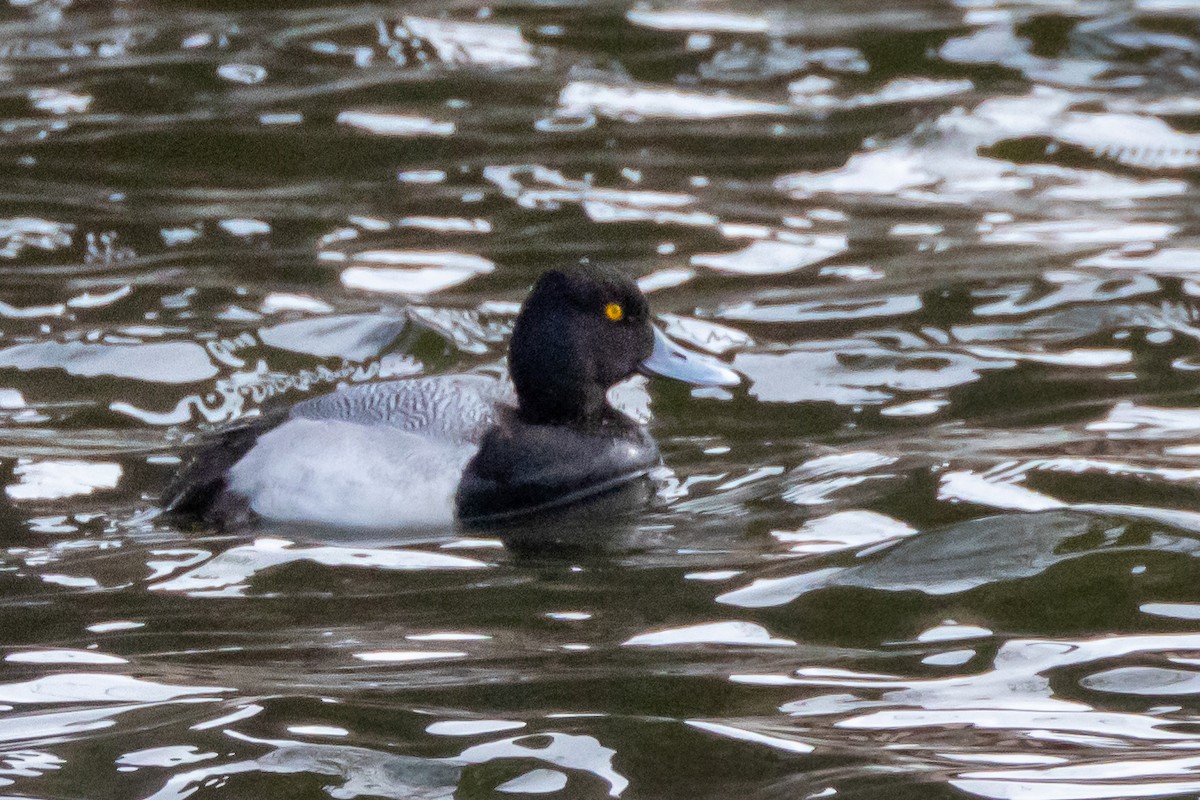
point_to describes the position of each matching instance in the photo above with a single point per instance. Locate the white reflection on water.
(672, 19)
(244, 712)
(17, 234)
(774, 257)
(447, 224)
(356, 337)
(228, 573)
(899, 90)
(724, 633)
(89, 300)
(1062, 288)
(1172, 610)
(1133, 140)
(71, 581)
(277, 302)
(821, 310)
(1076, 233)
(156, 362)
(1115, 779)
(447, 636)
(241, 226)
(27, 764)
(116, 625)
(710, 336)
(1128, 420)
(412, 272)
(986, 551)
(953, 632)
(474, 43)
(62, 657)
(421, 176)
(364, 772)
(842, 530)
(1183, 261)
(54, 479)
(814, 481)
(317, 730)
(382, 123)
(950, 658)
(170, 756)
(52, 726)
(1016, 695)
(1148, 681)
(970, 487)
(534, 186)
(665, 278)
(948, 169)
(999, 44)
(561, 749)
(855, 372)
(58, 101)
(88, 687)
(474, 727)
(1070, 358)
(916, 408)
(645, 101)
(538, 781)
(1000, 487)
(373, 773)
(743, 734)
(248, 74)
(174, 559)
(408, 656)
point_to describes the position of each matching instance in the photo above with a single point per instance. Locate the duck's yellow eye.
(614, 312)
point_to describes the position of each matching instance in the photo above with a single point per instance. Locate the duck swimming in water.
(421, 452)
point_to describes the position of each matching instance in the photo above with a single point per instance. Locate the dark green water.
(943, 542)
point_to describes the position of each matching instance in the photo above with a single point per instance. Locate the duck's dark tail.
(200, 491)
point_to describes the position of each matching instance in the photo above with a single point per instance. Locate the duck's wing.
(456, 408)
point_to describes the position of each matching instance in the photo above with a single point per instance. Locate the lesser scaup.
(422, 452)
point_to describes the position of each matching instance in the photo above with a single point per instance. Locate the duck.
(441, 450)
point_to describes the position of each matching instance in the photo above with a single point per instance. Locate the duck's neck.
(555, 403)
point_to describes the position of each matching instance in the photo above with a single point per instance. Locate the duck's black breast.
(522, 467)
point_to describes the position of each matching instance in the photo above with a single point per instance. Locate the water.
(943, 542)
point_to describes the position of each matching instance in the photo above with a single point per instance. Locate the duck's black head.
(582, 330)
(579, 332)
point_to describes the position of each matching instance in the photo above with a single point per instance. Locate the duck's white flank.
(332, 472)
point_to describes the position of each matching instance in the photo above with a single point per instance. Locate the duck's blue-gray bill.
(672, 361)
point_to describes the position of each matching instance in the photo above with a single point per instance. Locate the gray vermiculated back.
(458, 408)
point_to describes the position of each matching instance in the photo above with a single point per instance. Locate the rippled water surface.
(944, 541)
